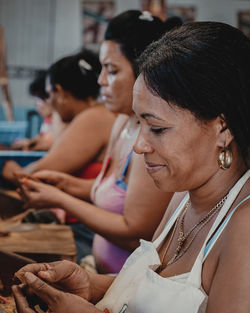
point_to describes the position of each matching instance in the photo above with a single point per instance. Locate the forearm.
(113, 226)
(77, 187)
(31, 168)
(99, 284)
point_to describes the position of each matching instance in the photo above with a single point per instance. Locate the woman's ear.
(62, 93)
(59, 88)
(225, 137)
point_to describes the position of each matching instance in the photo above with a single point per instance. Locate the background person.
(43, 141)
(73, 92)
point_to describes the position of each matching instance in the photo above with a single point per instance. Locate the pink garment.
(109, 194)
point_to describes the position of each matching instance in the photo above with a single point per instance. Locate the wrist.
(60, 199)
(99, 284)
(64, 182)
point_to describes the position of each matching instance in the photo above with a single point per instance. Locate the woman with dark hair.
(43, 141)
(192, 100)
(119, 215)
(72, 91)
(73, 77)
(37, 86)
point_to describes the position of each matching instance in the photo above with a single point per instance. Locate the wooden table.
(41, 242)
(27, 243)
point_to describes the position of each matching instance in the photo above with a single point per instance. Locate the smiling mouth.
(105, 96)
(152, 168)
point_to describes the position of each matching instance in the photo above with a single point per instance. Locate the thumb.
(41, 289)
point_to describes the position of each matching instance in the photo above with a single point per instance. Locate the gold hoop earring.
(225, 158)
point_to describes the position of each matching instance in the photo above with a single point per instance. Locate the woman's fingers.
(27, 186)
(21, 303)
(44, 291)
(58, 271)
(30, 183)
(32, 268)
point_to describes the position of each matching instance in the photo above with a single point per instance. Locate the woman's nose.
(141, 145)
(102, 80)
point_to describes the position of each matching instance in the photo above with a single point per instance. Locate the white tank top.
(138, 289)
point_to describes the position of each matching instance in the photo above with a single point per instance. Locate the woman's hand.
(38, 144)
(57, 301)
(55, 178)
(20, 144)
(39, 195)
(9, 168)
(64, 275)
(75, 186)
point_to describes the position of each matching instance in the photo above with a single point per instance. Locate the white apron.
(138, 289)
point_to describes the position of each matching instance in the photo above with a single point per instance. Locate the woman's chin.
(111, 107)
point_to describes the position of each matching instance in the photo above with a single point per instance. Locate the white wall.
(207, 10)
(122, 5)
(68, 27)
(216, 10)
(40, 31)
(37, 33)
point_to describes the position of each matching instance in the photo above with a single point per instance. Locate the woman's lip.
(105, 96)
(154, 167)
(106, 99)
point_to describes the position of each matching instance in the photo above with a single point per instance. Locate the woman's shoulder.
(240, 209)
(237, 230)
(97, 112)
(241, 204)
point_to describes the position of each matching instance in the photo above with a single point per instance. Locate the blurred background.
(34, 33)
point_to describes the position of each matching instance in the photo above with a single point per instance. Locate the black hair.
(135, 30)
(204, 67)
(77, 74)
(37, 86)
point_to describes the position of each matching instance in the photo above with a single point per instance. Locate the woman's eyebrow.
(150, 115)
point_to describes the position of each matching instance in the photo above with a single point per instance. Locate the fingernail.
(30, 278)
(25, 181)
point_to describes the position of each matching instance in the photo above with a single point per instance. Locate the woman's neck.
(79, 105)
(210, 193)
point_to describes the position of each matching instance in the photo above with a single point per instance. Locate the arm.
(231, 278)
(81, 143)
(72, 185)
(138, 221)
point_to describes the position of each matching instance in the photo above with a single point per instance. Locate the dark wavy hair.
(204, 67)
(37, 86)
(135, 30)
(80, 82)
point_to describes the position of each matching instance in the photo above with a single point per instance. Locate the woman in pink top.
(124, 196)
